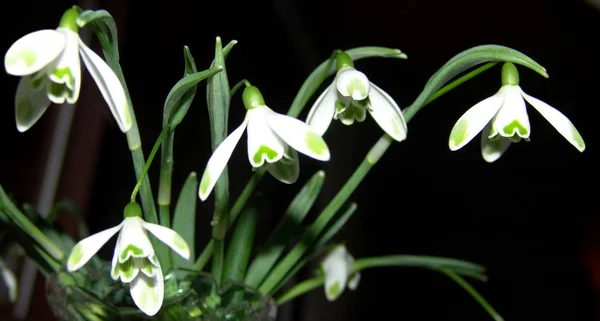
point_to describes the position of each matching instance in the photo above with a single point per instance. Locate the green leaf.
(240, 245)
(326, 68)
(181, 95)
(28, 228)
(105, 28)
(184, 219)
(288, 227)
(465, 60)
(319, 245)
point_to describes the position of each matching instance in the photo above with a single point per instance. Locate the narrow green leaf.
(28, 228)
(288, 227)
(184, 219)
(240, 245)
(315, 79)
(465, 60)
(181, 95)
(105, 28)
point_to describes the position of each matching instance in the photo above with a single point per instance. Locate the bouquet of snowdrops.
(157, 271)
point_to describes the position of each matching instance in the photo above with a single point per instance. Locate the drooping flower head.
(502, 119)
(273, 140)
(350, 96)
(134, 260)
(48, 62)
(337, 268)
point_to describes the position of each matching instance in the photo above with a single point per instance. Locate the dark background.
(529, 217)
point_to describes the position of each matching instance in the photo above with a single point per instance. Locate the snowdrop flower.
(48, 62)
(10, 280)
(336, 267)
(502, 119)
(134, 260)
(272, 137)
(349, 98)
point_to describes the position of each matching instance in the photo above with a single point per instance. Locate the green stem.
(465, 285)
(218, 258)
(166, 176)
(410, 111)
(147, 165)
(441, 264)
(233, 214)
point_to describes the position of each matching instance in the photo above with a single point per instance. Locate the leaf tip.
(321, 173)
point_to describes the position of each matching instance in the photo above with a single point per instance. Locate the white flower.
(272, 137)
(133, 254)
(48, 61)
(502, 119)
(10, 280)
(337, 267)
(349, 98)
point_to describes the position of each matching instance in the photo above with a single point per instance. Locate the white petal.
(352, 83)
(114, 270)
(10, 280)
(30, 102)
(512, 120)
(33, 52)
(299, 136)
(473, 121)
(67, 70)
(492, 149)
(321, 113)
(287, 169)
(86, 248)
(109, 85)
(560, 122)
(170, 238)
(387, 114)
(263, 144)
(354, 281)
(218, 161)
(147, 293)
(336, 269)
(133, 240)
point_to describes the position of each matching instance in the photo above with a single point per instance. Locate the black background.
(527, 217)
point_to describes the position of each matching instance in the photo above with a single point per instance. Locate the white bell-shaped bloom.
(350, 97)
(134, 260)
(49, 64)
(502, 119)
(273, 140)
(337, 268)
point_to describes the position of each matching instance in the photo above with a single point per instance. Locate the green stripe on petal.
(559, 121)
(474, 120)
(299, 136)
(264, 153)
(263, 143)
(217, 162)
(170, 238)
(33, 52)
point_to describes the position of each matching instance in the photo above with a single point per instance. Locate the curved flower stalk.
(48, 62)
(349, 98)
(336, 267)
(134, 260)
(502, 119)
(272, 138)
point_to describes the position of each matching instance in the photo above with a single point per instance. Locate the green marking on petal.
(65, 74)
(315, 143)
(269, 153)
(356, 88)
(126, 269)
(204, 184)
(135, 251)
(334, 290)
(515, 127)
(577, 137)
(179, 242)
(76, 255)
(27, 55)
(459, 133)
